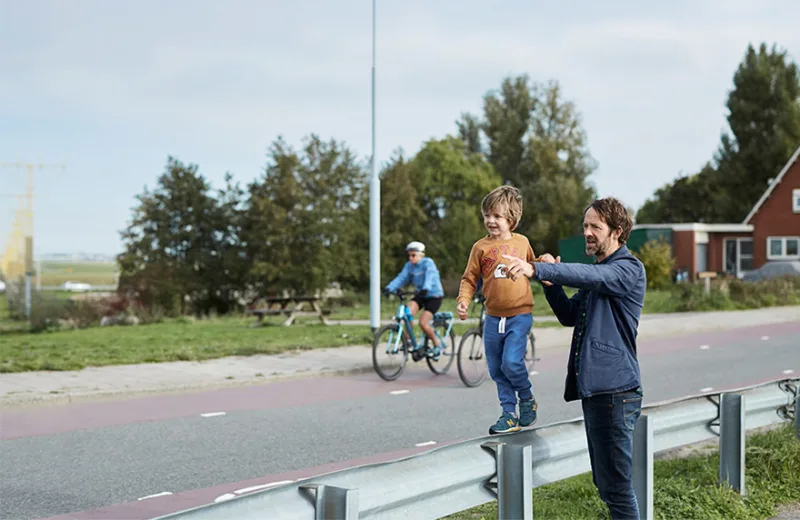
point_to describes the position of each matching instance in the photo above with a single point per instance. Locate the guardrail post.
(732, 441)
(797, 415)
(333, 503)
(642, 471)
(514, 480)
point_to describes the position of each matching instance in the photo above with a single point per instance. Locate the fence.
(505, 468)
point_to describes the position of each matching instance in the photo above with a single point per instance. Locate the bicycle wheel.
(472, 368)
(447, 353)
(530, 352)
(389, 342)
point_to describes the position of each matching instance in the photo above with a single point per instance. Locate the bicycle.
(400, 340)
(471, 352)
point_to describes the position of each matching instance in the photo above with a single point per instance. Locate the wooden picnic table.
(290, 306)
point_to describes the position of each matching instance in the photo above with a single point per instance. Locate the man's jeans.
(609, 421)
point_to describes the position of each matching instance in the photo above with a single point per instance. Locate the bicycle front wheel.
(447, 353)
(472, 367)
(389, 352)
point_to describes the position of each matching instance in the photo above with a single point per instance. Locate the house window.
(738, 256)
(796, 201)
(783, 248)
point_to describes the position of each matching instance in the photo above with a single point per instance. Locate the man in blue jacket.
(603, 369)
(421, 272)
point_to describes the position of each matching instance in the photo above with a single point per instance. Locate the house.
(771, 231)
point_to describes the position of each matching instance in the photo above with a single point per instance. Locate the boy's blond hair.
(507, 200)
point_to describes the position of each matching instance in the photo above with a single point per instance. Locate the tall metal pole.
(374, 214)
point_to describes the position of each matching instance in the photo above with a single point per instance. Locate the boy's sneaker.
(527, 411)
(505, 424)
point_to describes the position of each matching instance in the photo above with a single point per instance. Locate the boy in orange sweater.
(509, 306)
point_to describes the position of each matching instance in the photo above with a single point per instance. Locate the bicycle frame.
(405, 321)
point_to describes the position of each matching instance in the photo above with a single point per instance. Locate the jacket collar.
(622, 251)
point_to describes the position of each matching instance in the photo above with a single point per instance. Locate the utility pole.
(23, 227)
(374, 214)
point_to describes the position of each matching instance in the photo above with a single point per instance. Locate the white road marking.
(764, 338)
(228, 496)
(262, 486)
(212, 414)
(788, 371)
(705, 347)
(162, 494)
(534, 373)
(399, 392)
(706, 389)
(421, 444)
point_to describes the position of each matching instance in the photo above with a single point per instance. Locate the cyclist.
(422, 272)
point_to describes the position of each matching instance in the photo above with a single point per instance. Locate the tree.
(451, 183)
(764, 123)
(469, 131)
(685, 200)
(177, 242)
(560, 165)
(507, 121)
(299, 215)
(537, 143)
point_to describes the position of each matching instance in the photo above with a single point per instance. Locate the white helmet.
(416, 246)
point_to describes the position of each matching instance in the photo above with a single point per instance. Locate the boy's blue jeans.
(609, 420)
(505, 341)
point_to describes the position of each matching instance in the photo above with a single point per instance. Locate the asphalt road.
(101, 459)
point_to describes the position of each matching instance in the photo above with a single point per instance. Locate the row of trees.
(764, 131)
(304, 222)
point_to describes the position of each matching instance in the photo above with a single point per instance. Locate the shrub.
(656, 255)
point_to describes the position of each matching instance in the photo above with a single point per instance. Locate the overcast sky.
(110, 89)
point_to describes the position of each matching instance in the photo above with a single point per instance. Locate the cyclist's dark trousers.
(505, 341)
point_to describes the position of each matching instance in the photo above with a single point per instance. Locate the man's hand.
(547, 258)
(461, 310)
(518, 267)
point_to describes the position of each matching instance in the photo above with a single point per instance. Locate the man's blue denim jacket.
(614, 291)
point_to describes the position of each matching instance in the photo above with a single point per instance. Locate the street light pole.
(374, 213)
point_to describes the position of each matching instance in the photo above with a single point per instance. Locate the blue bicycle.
(394, 342)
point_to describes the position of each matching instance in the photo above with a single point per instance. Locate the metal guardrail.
(505, 468)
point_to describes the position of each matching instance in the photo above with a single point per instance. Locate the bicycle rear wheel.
(389, 352)
(530, 352)
(472, 367)
(447, 353)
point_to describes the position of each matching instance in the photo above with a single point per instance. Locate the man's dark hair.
(615, 215)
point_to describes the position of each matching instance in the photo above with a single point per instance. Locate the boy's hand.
(518, 266)
(461, 310)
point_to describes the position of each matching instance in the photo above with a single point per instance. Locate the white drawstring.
(501, 326)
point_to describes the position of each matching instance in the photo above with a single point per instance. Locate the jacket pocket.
(605, 367)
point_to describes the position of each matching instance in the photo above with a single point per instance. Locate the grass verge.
(172, 340)
(685, 488)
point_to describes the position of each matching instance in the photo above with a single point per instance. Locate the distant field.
(94, 273)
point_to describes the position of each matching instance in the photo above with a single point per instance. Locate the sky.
(110, 90)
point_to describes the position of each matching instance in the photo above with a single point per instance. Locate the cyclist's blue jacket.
(423, 275)
(605, 313)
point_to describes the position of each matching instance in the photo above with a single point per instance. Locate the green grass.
(685, 488)
(172, 340)
(358, 308)
(94, 273)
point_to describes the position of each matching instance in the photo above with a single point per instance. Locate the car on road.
(76, 286)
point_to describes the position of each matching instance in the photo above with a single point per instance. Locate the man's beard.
(599, 248)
